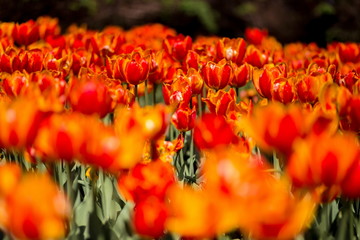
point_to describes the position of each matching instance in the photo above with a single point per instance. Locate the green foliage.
(203, 11)
(324, 8)
(245, 8)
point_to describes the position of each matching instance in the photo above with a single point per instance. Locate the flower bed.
(147, 133)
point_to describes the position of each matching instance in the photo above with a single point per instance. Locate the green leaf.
(203, 11)
(246, 8)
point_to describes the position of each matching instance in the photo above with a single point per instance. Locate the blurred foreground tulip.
(17, 131)
(37, 209)
(212, 130)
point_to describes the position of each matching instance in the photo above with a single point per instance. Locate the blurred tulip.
(14, 84)
(350, 186)
(26, 33)
(48, 26)
(212, 130)
(61, 136)
(255, 35)
(90, 95)
(10, 175)
(149, 217)
(17, 131)
(330, 160)
(143, 180)
(349, 52)
(275, 127)
(37, 209)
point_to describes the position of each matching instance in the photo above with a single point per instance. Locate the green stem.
(200, 110)
(146, 93)
(136, 93)
(192, 157)
(154, 94)
(68, 182)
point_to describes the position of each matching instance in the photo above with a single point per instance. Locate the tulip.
(90, 95)
(231, 49)
(184, 118)
(17, 131)
(149, 217)
(134, 69)
(330, 160)
(177, 46)
(61, 136)
(349, 52)
(37, 209)
(255, 57)
(217, 75)
(255, 35)
(147, 179)
(212, 130)
(221, 102)
(26, 33)
(350, 186)
(242, 75)
(283, 90)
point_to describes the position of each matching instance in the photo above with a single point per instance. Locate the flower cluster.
(265, 131)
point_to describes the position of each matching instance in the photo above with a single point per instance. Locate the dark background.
(289, 21)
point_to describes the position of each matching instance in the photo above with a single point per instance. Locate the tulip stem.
(68, 181)
(136, 93)
(154, 94)
(192, 158)
(238, 94)
(146, 93)
(199, 105)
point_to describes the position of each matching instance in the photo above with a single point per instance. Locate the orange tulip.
(349, 52)
(133, 68)
(217, 75)
(256, 57)
(212, 130)
(242, 75)
(147, 179)
(26, 33)
(12, 60)
(264, 78)
(149, 217)
(17, 131)
(350, 186)
(184, 118)
(220, 102)
(89, 95)
(231, 49)
(10, 174)
(37, 209)
(255, 35)
(14, 84)
(330, 160)
(275, 127)
(283, 90)
(61, 136)
(177, 46)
